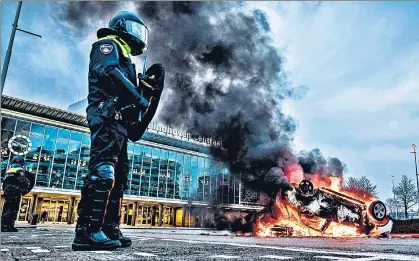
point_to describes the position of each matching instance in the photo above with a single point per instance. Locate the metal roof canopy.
(32, 108)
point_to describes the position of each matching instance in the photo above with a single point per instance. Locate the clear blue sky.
(359, 60)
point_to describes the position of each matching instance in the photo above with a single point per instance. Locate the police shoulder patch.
(106, 48)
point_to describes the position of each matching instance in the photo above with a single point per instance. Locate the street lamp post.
(416, 168)
(9, 49)
(394, 196)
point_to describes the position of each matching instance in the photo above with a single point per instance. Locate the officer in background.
(115, 101)
(17, 183)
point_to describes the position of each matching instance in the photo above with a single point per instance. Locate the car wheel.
(378, 210)
(306, 187)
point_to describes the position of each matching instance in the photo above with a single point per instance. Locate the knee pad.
(105, 171)
(104, 176)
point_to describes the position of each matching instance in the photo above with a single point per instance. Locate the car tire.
(306, 187)
(378, 210)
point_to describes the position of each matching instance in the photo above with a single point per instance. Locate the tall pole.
(392, 178)
(416, 168)
(394, 196)
(9, 49)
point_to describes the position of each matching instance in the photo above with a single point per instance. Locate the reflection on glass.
(37, 128)
(186, 177)
(162, 177)
(194, 178)
(205, 180)
(154, 172)
(171, 175)
(73, 160)
(145, 171)
(200, 179)
(46, 155)
(84, 159)
(23, 127)
(8, 123)
(179, 176)
(137, 172)
(5, 153)
(130, 151)
(60, 157)
(33, 156)
(213, 181)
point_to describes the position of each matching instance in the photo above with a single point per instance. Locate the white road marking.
(144, 254)
(101, 252)
(13, 236)
(40, 250)
(30, 248)
(4, 250)
(48, 234)
(144, 238)
(277, 257)
(367, 255)
(371, 258)
(333, 258)
(34, 235)
(60, 246)
(224, 256)
(181, 240)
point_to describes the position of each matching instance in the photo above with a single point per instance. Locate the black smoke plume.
(224, 78)
(313, 162)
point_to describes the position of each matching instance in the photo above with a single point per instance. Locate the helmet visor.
(138, 30)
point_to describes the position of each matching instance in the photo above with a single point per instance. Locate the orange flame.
(285, 215)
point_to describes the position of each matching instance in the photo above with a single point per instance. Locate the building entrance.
(128, 214)
(144, 215)
(24, 209)
(54, 210)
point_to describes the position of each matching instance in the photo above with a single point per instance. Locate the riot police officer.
(17, 183)
(115, 101)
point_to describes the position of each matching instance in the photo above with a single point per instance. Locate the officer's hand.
(152, 86)
(146, 85)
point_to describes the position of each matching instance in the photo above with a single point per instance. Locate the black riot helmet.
(130, 28)
(17, 162)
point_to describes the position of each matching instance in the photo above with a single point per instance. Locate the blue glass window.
(46, 156)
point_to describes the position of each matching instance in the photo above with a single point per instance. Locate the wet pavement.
(54, 243)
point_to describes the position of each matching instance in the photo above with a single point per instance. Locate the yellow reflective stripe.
(13, 170)
(113, 38)
(125, 45)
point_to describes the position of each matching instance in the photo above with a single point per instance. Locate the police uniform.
(17, 183)
(113, 106)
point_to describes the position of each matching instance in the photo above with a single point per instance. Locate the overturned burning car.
(326, 212)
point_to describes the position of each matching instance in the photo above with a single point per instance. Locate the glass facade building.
(162, 168)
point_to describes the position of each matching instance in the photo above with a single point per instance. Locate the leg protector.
(94, 197)
(113, 212)
(113, 218)
(12, 198)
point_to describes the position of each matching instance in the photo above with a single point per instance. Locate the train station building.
(173, 180)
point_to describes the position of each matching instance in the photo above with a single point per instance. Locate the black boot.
(8, 228)
(113, 217)
(91, 211)
(85, 240)
(114, 233)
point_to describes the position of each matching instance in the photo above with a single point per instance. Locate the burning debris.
(323, 212)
